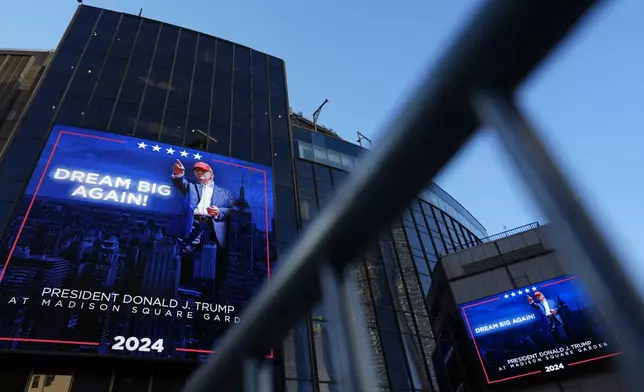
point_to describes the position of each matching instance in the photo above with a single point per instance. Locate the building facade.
(20, 71)
(478, 290)
(133, 76)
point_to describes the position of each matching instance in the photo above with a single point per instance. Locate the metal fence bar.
(351, 358)
(499, 48)
(585, 251)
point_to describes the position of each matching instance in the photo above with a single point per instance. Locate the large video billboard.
(546, 327)
(133, 247)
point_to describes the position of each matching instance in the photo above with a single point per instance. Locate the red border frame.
(467, 322)
(33, 199)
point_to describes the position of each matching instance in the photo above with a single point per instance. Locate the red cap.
(203, 166)
(537, 293)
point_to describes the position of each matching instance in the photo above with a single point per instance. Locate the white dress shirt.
(546, 306)
(206, 199)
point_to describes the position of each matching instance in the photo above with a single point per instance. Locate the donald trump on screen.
(205, 213)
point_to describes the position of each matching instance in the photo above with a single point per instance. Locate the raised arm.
(178, 177)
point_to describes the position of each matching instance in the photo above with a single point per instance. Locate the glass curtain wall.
(394, 278)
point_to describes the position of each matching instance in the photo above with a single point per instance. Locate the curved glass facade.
(342, 155)
(135, 76)
(395, 276)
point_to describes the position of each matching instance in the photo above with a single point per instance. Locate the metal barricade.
(473, 85)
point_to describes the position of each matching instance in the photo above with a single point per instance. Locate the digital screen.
(131, 247)
(546, 327)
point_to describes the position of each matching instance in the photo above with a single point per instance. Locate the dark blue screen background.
(530, 335)
(106, 246)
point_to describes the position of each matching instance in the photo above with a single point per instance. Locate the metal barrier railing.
(472, 85)
(493, 237)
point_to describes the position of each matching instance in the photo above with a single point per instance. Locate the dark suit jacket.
(181, 225)
(553, 306)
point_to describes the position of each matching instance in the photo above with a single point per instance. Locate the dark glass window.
(242, 68)
(396, 362)
(101, 37)
(262, 149)
(386, 318)
(72, 109)
(199, 108)
(125, 36)
(166, 47)
(20, 158)
(10, 190)
(186, 52)
(305, 183)
(221, 94)
(206, 51)
(412, 237)
(421, 265)
(220, 131)
(83, 83)
(148, 33)
(240, 145)
(303, 167)
(82, 27)
(426, 283)
(33, 129)
(45, 104)
(338, 177)
(65, 61)
(324, 187)
(168, 38)
(260, 79)
(110, 79)
(124, 118)
(134, 83)
(282, 162)
(173, 127)
(279, 117)
(177, 103)
(149, 124)
(276, 73)
(157, 87)
(285, 205)
(261, 123)
(99, 112)
(181, 83)
(322, 172)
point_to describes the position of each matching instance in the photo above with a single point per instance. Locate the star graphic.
(534, 288)
(156, 148)
(520, 292)
(142, 145)
(506, 296)
(197, 156)
(184, 153)
(513, 294)
(170, 151)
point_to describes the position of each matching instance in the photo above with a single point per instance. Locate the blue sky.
(365, 56)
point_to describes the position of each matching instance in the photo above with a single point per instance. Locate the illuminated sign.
(545, 327)
(125, 246)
